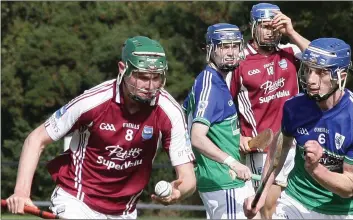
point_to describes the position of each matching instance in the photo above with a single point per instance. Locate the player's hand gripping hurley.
(273, 167)
(261, 141)
(34, 211)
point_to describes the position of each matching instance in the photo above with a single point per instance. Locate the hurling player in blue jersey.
(321, 121)
(213, 121)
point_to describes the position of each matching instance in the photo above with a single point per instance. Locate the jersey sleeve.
(175, 138)
(77, 112)
(294, 47)
(208, 106)
(287, 129)
(234, 84)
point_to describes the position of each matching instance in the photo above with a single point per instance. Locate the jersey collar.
(250, 48)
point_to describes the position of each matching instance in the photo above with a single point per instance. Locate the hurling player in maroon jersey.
(263, 82)
(117, 127)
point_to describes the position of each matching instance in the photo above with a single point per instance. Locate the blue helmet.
(263, 12)
(331, 54)
(260, 13)
(219, 34)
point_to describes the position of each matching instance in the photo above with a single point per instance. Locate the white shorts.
(289, 208)
(226, 204)
(256, 162)
(69, 207)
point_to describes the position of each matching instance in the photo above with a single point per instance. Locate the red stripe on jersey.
(84, 96)
(171, 99)
(248, 112)
(90, 91)
(250, 49)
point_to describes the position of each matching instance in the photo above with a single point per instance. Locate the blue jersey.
(211, 98)
(209, 102)
(333, 130)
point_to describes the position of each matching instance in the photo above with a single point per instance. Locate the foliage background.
(53, 51)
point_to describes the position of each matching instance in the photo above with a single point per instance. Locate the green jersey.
(304, 188)
(209, 102)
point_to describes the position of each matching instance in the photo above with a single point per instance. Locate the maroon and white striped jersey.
(110, 158)
(260, 86)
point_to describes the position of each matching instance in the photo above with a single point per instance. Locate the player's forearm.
(299, 40)
(206, 147)
(187, 174)
(28, 162)
(187, 188)
(338, 183)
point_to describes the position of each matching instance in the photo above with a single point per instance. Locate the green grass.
(10, 216)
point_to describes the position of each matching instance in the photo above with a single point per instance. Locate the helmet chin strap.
(139, 99)
(267, 48)
(224, 67)
(320, 98)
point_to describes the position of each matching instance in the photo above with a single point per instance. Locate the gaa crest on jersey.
(60, 112)
(203, 105)
(283, 64)
(147, 132)
(339, 139)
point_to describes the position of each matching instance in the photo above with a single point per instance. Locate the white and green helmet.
(142, 54)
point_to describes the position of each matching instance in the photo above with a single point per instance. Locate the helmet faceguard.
(144, 59)
(224, 46)
(260, 15)
(325, 55)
